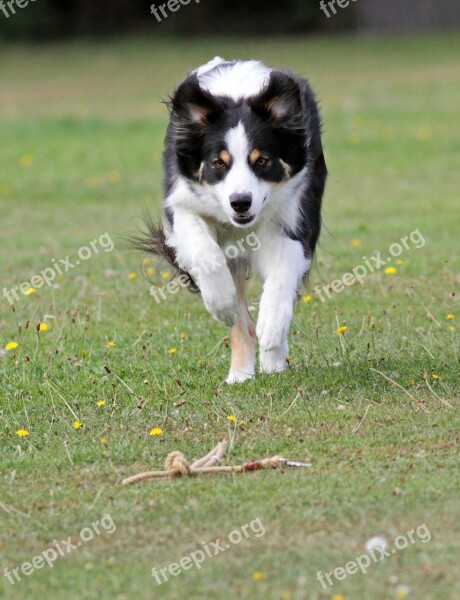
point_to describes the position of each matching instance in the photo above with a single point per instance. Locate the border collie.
(243, 152)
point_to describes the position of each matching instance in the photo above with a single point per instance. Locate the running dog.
(243, 151)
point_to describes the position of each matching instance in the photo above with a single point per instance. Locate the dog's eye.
(219, 163)
(262, 161)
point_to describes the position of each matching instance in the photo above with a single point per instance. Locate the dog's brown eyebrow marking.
(254, 156)
(225, 156)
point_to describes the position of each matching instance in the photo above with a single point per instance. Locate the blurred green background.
(81, 131)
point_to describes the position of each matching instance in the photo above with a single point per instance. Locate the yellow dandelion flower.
(231, 418)
(354, 138)
(26, 160)
(29, 291)
(94, 181)
(42, 327)
(146, 261)
(389, 134)
(165, 275)
(156, 431)
(306, 299)
(183, 336)
(425, 134)
(22, 432)
(337, 597)
(390, 271)
(84, 353)
(77, 425)
(113, 176)
(436, 377)
(11, 346)
(81, 111)
(200, 362)
(172, 351)
(341, 330)
(101, 403)
(103, 441)
(412, 382)
(110, 344)
(150, 271)
(356, 243)
(132, 276)
(399, 261)
(450, 316)
(258, 575)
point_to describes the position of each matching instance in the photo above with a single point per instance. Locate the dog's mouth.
(242, 220)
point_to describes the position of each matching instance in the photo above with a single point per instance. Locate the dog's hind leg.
(243, 333)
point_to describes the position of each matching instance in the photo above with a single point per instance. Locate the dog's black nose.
(241, 202)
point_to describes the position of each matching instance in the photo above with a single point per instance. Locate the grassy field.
(375, 410)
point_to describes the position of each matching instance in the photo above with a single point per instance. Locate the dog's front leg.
(243, 333)
(282, 264)
(198, 253)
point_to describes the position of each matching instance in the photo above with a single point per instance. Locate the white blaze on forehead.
(238, 143)
(235, 80)
(217, 60)
(240, 178)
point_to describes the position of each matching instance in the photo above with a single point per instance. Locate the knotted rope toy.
(176, 465)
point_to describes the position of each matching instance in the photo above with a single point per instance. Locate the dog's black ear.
(191, 103)
(280, 101)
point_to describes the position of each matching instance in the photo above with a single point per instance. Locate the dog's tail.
(152, 240)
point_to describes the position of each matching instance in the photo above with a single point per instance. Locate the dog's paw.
(274, 360)
(239, 376)
(219, 297)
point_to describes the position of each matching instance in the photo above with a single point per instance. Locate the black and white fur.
(243, 153)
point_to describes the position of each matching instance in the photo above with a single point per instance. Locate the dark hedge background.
(55, 19)
(67, 18)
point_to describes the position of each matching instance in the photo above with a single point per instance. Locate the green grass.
(383, 462)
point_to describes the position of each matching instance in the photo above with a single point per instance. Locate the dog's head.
(241, 151)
